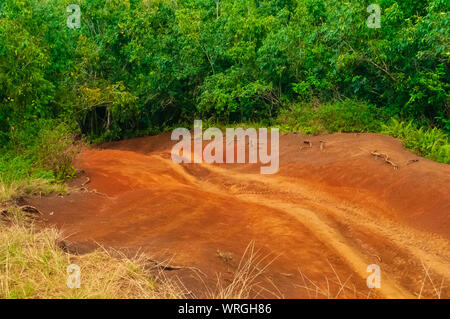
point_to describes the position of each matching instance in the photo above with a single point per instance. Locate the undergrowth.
(37, 160)
(353, 116)
(431, 143)
(32, 265)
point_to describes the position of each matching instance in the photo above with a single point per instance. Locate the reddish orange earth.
(319, 222)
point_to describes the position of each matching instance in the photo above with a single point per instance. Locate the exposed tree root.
(88, 180)
(412, 161)
(98, 193)
(309, 143)
(385, 157)
(168, 267)
(322, 146)
(84, 189)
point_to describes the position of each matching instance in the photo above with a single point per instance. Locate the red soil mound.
(323, 218)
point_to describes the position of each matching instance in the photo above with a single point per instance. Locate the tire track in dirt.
(330, 237)
(338, 204)
(415, 241)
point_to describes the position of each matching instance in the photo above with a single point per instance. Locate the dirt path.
(321, 220)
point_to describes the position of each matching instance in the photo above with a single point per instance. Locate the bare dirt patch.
(332, 209)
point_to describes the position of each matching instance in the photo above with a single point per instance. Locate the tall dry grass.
(32, 265)
(340, 288)
(248, 279)
(13, 190)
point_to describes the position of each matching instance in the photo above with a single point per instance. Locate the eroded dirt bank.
(321, 220)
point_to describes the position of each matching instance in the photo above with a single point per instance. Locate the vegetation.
(37, 159)
(346, 116)
(350, 116)
(431, 143)
(137, 67)
(33, 266)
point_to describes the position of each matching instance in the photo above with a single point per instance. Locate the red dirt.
(327, 213)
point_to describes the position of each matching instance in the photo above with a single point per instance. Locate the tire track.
(418, 245)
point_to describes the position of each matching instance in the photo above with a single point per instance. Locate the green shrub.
(432, 143)
(346, 116)
(135, 65)
(37, 159)
(43, 145)
(55, 150)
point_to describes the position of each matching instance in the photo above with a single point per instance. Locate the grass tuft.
(33, 266)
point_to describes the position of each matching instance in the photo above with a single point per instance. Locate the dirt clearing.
(339, 203)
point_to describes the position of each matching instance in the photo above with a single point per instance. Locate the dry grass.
(247, 280)
(333, 288)
(33, 266)
(337, 288)
(10, 191)
(436, 287)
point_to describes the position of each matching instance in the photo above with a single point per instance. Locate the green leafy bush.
(345, 116)
(431, 143)
(135, 65)
(55, 150)
(38, 158)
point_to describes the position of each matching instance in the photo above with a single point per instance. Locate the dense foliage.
(137, 66)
